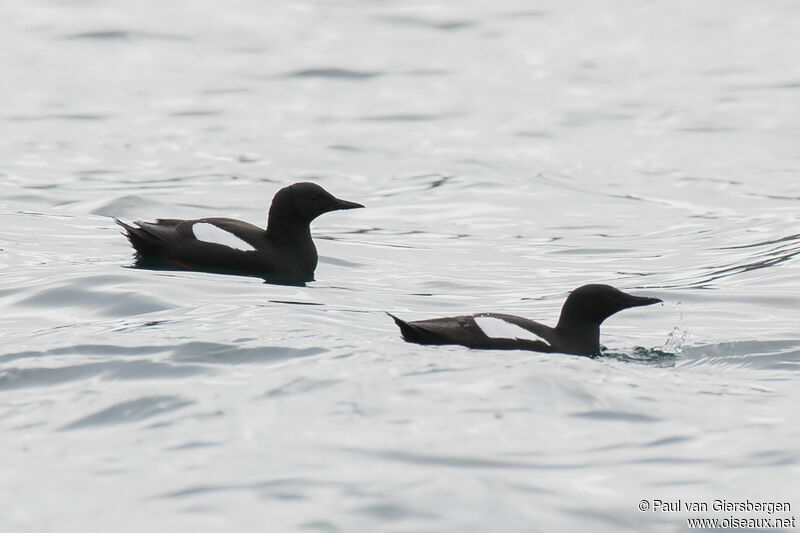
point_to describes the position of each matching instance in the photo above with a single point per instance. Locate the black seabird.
(284, 252)
(577, 332)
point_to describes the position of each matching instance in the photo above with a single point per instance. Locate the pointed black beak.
(344, 204)
(638, 301)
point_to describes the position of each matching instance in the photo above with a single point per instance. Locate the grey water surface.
(507, 152)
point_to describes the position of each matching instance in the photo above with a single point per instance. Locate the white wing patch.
(497, 328)
(206, 232)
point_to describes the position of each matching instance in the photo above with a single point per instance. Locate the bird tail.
(142, 241)
(409, 331)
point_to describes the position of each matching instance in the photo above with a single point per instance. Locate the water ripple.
(125, 35)
(74, 294)
(301, 386)
(271, 487)
(456, 461)
(764, 355)
(130, 411)
(16, 378)
(335, 74)
(443, 25)
(212, 352)
(617, 416)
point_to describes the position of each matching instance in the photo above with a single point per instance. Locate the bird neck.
(284, 224)
(583, 335)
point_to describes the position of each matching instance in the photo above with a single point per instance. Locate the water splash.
(677, 337)
(649, 356)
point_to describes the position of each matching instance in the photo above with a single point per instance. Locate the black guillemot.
(577, 332)
(283, 252)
